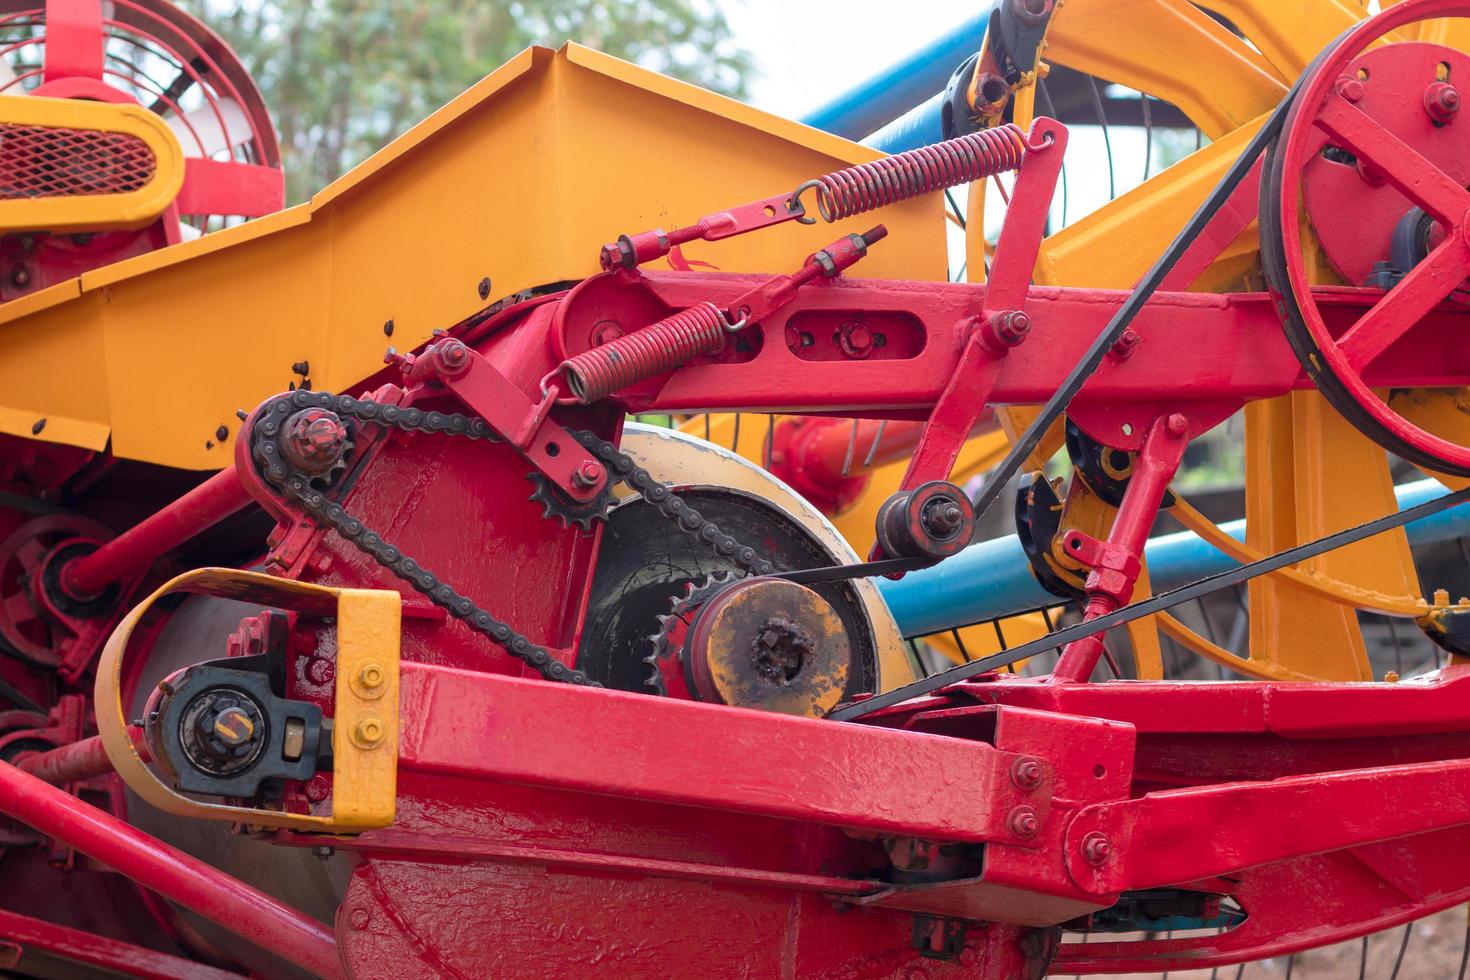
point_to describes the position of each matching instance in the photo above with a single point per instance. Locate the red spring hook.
(678, 339)
(848, 192)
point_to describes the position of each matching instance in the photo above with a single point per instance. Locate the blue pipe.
(920, 126)
(890, 93)
(993, 578)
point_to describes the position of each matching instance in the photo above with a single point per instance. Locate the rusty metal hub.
(769, 644)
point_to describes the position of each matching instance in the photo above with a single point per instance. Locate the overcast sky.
(807, 52)
(804, 49)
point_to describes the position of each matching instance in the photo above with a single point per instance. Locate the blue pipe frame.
(884, 97)
(993, 579)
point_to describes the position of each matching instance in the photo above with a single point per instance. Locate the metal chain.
(620, 466)
(689, 520)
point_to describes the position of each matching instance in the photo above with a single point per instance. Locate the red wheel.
(23, 625)
(1370, 137)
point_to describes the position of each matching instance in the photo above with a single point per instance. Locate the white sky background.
(808, 52)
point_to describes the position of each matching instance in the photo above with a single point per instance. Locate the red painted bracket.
(525, 424)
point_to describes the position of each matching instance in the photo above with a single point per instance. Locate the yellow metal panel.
(63, 397)
(518, 180)
(365, 719)
(1114, 245)
(1289, 34)
(1317, 638)
(95, 212)
(1171, 50)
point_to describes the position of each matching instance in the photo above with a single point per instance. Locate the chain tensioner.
(308, 490)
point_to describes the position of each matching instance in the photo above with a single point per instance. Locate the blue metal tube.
(887, 95)
(920, 126)
(993, 578)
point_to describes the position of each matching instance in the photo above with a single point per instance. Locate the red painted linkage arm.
(169, 872)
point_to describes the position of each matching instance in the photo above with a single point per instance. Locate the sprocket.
(664, 659)
(569, 512)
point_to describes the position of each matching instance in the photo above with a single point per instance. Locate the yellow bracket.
(73, 119)
(365, 725)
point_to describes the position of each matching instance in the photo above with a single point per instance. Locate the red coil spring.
(645, 353)
(914, 172)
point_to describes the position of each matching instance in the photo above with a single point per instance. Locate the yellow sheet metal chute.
(514, 184)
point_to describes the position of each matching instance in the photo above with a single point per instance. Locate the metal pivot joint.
(935, 520)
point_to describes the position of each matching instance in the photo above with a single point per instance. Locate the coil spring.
(913, 172)
(645, 353)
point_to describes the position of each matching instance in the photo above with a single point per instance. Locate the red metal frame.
(1328, 111)
(571, 828)
(170, 872)
(22, 934)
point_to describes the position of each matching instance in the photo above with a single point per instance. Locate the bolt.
(388, 328)
(302, 368)
(321, 671)
(1390, 677)
(368, 732)
(1096, 847)
(484, 288)
(314, 440)
(943, 517)
(371, 676)
(855, 339)
(1125, 345)
(587, 475)
(454, 356)
(358, 918)
(222, 433)
(1441, 101)
(1441, 597)
(1177, 424)
(37, 426)
(1024, 822)
(20, 276)
(1349, 88)
(1027, 773)
(779, 650)
(233, 727)
(1010, 327)
(317, 788)
(605, 332)
(323, 852)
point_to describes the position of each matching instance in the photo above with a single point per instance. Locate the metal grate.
(51, 161)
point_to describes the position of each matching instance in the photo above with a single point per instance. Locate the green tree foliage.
(343, 77)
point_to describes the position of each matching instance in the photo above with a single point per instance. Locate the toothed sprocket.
(664, 659)
(569, 512)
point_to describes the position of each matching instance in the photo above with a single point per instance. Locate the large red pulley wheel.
(25, 557)
(1373, 141)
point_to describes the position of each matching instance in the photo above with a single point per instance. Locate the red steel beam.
(111, 955)
(140, 546)
(171, 873)
(597, 741)
(72, 763)
(1195, 347)
(1156, 840)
